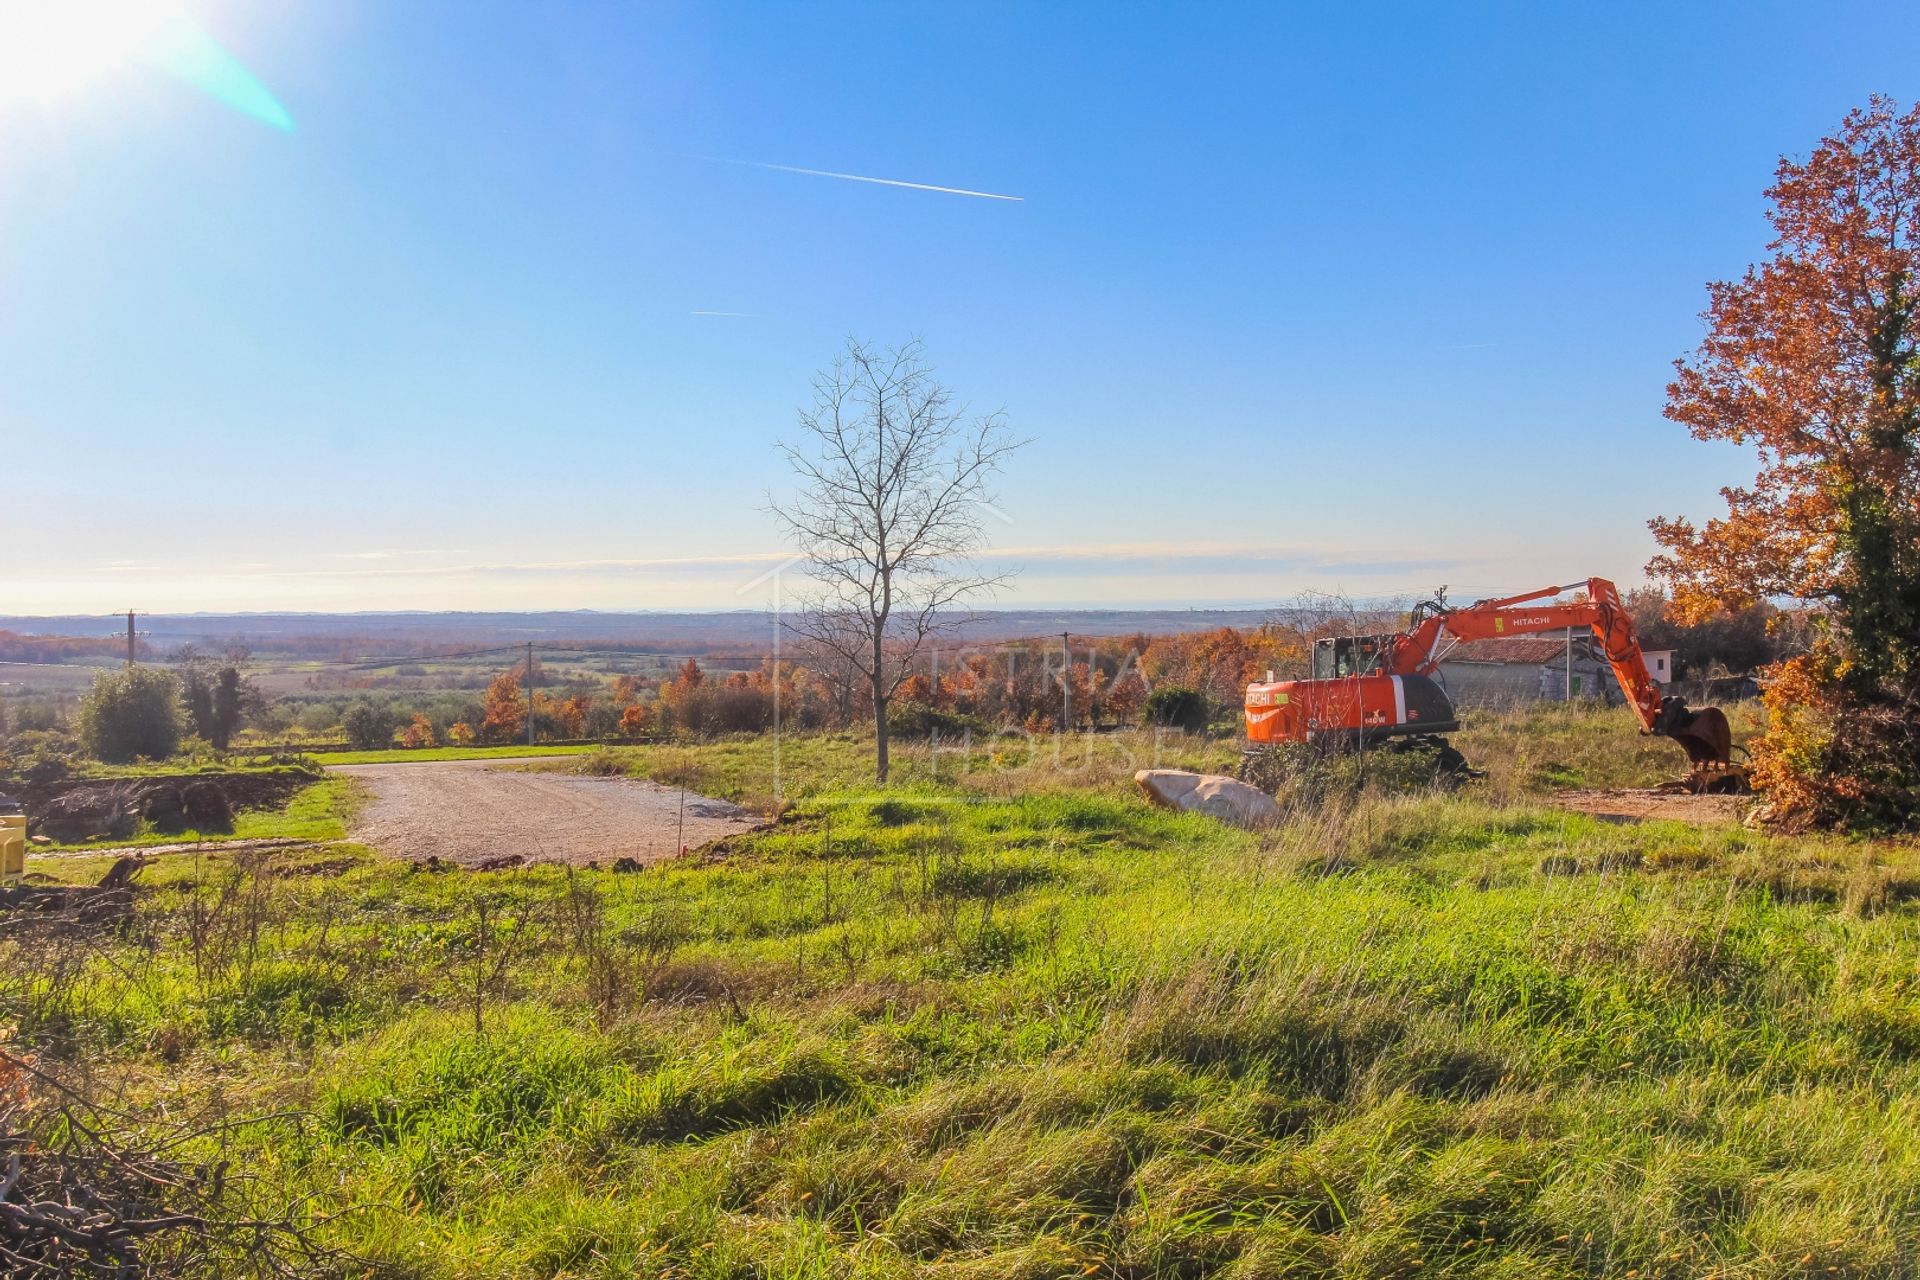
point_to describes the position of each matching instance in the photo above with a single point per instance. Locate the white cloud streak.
(883, 182)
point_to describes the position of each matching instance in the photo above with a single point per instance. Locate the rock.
(627, 865)
(1228, 799)
(110, 810)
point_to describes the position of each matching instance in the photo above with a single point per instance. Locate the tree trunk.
(879, 732)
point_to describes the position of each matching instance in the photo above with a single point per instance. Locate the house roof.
(1531, 651)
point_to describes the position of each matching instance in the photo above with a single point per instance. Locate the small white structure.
(1660, 664)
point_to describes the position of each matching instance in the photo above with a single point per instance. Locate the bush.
(1175, 706)
(918, 720)
(131, 714)
(316, 718)
(1836, 758)
(603, 762)
(36, 755)
(37, 714)
(369, 725)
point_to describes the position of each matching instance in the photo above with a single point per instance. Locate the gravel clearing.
(468, 811)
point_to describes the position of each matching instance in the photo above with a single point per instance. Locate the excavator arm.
(1703, 733)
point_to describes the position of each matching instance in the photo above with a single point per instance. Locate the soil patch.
(471, 812)
(1626, 804)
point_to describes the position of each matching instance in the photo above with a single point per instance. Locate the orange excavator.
(1379, 690)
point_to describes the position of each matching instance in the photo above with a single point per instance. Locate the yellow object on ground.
(13, 846)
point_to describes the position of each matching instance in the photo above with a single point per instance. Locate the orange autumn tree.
(506, 710)
(418, 733)
(1813, 360)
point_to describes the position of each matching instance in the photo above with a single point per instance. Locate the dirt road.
(470, 810)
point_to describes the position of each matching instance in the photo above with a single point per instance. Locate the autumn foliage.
(506, 711)
(1030, 685)
(418, 733)
(1813, 360)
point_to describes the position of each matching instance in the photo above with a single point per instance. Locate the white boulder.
(1228, 799)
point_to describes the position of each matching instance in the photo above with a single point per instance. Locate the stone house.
(1507, 671)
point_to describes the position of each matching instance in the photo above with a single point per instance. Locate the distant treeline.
(392, 651)
(15, 647)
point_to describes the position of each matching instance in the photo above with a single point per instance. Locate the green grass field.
(1014, 1022)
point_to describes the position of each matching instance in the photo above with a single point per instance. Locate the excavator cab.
(1339, 657)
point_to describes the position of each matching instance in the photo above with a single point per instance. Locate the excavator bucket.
(1703, 733)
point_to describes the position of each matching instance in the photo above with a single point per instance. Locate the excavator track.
(1270, 767)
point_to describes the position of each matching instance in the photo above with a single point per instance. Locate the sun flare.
(51, 50)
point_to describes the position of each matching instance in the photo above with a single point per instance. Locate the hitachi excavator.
(1379, 690)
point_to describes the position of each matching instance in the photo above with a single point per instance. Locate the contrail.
(884, 182)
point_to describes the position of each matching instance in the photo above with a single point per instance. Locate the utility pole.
(130, 641)
(529, 693)
(1066, 685)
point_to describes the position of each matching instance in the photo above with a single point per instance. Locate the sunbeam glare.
(55, 50)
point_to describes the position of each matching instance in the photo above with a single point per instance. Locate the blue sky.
(1361, 297)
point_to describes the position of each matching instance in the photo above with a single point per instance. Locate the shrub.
(603, 762)
(40, 714)
(131, 714)
(918, 720)
(1178, 707)
(603, 720)
(194, 749)
(419, 733)
(369, 725)
(1836, 758)
(36, 755)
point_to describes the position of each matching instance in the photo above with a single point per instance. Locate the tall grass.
(1002, 1024)
(1557, 744)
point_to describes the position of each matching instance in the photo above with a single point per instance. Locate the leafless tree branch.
(894, 474)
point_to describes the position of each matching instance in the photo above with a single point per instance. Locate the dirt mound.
(74, 810)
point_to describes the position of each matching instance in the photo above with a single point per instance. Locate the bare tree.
(893, 477)
(1316, 614)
